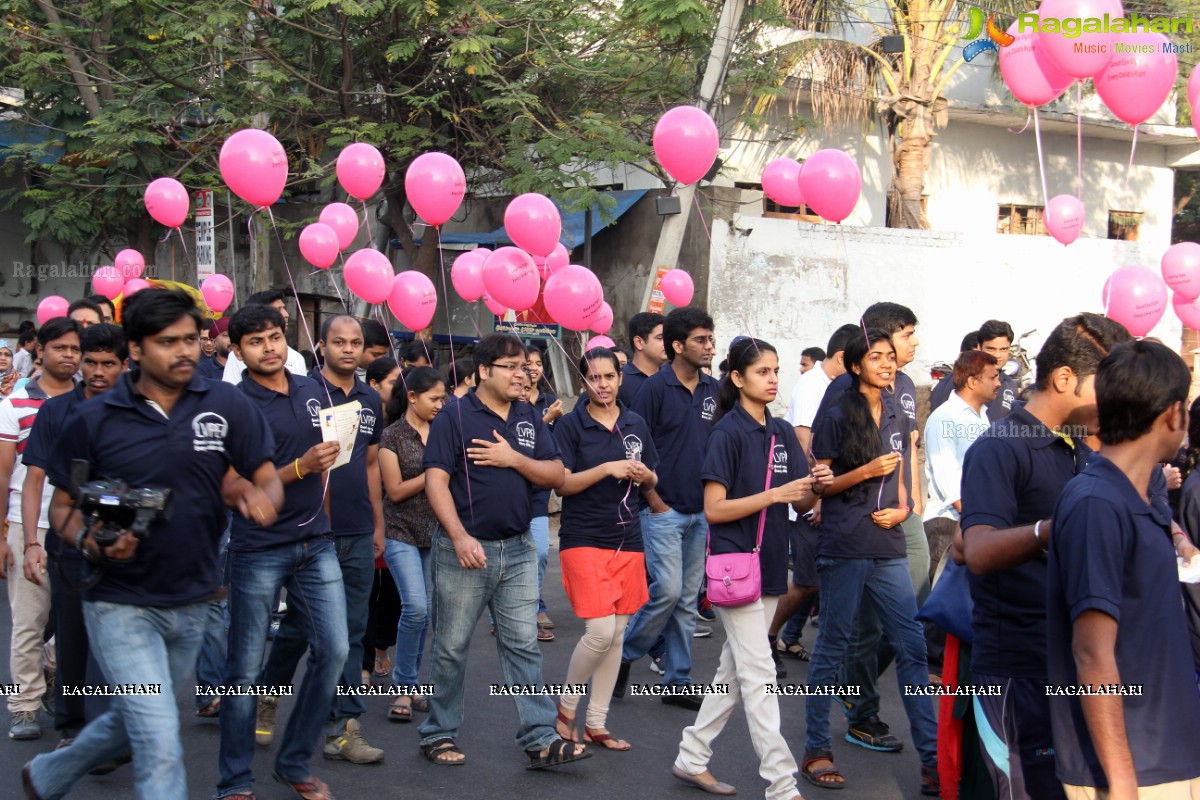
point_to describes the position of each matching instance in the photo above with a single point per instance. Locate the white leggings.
(597, 658)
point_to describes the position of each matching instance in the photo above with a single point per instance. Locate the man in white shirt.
(294, 363)
(949, 431)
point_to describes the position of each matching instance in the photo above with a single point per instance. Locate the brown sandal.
(817, 776)
(312, 788)
(572, 734)
(602, 737)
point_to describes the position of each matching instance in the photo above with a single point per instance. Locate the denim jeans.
(539, 528)
(674, 545)
(409, 566)
(508, 586)
(309, 570)
(141, 646)
(887, 583)
(356, 556)
(210, 666)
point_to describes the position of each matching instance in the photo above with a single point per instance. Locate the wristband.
(31, 544)
(1037, 534)
(298, 475)
(813, 489)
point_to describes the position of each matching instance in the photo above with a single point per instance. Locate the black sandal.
(793, 650)
(559, 752)
(814, 776)
(434, 751)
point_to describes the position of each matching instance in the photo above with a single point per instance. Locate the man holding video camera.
(162, 437)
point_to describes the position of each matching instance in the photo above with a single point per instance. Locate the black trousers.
(76, 666)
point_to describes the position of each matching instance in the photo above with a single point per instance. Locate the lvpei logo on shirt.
(909, 404)
(526, 435)
(366, 422)
(208, 433)
(708, 409)
(633, 447)
(779, 460)
(897, 442)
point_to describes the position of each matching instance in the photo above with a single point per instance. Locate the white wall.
(793, 283)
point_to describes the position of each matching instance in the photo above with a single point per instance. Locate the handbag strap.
(762, 515)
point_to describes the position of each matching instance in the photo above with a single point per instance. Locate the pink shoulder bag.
(735, 579)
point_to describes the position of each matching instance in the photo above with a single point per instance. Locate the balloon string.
(1079, 140)
(1132, 150)
(336, 288)
(183, 244)
(700, 211)
(1024, 127)
(1037, 133)
(367, 222)
(311, 344)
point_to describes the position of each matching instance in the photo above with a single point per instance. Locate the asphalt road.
(495, 767)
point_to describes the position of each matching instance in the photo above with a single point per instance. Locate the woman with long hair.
(754, 468)
(608, 454)
(409, 523)
(866, 440)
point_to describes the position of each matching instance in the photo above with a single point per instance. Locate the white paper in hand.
(340, 424)
(1189, 574)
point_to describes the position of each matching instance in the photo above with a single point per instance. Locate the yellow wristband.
(298, 475)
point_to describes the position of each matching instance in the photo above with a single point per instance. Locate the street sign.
(206, 261)
(657, 300)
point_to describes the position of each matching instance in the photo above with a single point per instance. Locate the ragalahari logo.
(995, 36)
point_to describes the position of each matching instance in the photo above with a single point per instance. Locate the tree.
(526, 94)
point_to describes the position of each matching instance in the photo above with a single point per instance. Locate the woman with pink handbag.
(754, 468)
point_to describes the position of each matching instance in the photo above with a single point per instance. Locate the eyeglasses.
(506, 367)
(204, 339)
(703, 340)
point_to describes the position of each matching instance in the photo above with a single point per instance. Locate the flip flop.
(559, 752)
(605, 739)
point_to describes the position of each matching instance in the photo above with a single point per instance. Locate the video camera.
(118, 507)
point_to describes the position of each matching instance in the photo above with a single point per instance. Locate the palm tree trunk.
(912, 141)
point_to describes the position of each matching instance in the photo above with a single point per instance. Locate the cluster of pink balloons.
(1134, 83)
(1136, 297)
(1181, 272)
(125, 274)
(686, 142)
(828, 182)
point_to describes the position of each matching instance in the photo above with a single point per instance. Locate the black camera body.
(117, 506)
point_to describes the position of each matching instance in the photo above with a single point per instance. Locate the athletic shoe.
(874, 735)
(705, 610)
(702, 632)
(24, 725)
(264, 720)
(349, 745)
(656, 666)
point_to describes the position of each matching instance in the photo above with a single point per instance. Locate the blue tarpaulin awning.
(14, 133)
(573, 223)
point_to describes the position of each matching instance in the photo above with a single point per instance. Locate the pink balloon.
(499, 309)
(831, 183)
(360, 170)
(573, 297)
(435, 185)
(686, 142)
(533, 223)
(344, 220)
(319, 245)
(1193, 85)
(1138, 298)
(781, 182)
(1135, 84)
(604, 320)
(1181, 269)
(1030, 74)
(1187, 310)
(601, 341)
(467, 274)
(511, 278)
(413, 299)
(135, 285)
(108, 282)
(677, 287)
(217, 291)
(129, 263)
(1086, 54)
(369, 275)
(51, 307)
(1064, 218)
(558, 259)
(167, 201)
(254, 166)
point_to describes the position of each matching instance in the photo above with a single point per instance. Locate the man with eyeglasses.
(678, 403)
(482, 460)
(994, 337)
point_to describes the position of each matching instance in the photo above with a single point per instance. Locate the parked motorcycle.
(1018, 366)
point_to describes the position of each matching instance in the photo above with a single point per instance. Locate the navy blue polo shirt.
(39, 447)
(210, 368)
(350, 509)
(492, 502)
(212, 427)
(1111, 551)
(605, 514)
(541, 497)
(679, 421)
(845, 382)
(295, 421)
(847, 530)
(736, 458)
(905, 396)
(1013, 475)
(632, 379)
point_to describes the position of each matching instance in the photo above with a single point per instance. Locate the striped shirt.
(17, 413)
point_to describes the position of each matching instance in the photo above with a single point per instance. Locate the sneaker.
(264, 720)
(705, 610)
(24, 725)
(349, 745)
(702, 632)
(874, 735)
(656, 666)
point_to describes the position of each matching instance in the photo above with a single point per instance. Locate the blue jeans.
(887, 583)
(674, 545)
(309, 570)
(409, 566)
(539, 528)
(210, 666)
(508, 586)
(356, 556)
(133, 645)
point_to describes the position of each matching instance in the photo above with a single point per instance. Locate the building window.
(1017, 219)
(1124, 225)
(772, 209)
